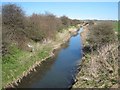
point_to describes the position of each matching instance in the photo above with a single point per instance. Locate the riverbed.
(58, 71)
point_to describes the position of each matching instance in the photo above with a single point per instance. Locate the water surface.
(57, 72)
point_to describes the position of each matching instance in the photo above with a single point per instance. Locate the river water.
(58, 72)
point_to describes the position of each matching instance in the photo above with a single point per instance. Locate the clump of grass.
(10, 64)
(12, 56)
(87, 57)
(44, 52)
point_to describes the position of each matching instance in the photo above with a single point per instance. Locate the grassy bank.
(18, 61)
(28, 40)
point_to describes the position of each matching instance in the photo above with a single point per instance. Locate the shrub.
(12, 16)
(19, 29)
(12, 23)
(100, 34)
(65, 21)
(74, 22)
(43, 25)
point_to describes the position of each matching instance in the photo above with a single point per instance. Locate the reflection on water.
(57, 72)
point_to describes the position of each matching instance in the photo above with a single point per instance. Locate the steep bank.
(98, 70)
(36, 60)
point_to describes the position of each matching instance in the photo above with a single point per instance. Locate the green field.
(116, 25)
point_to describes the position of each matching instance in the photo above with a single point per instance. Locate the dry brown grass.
(99, 70)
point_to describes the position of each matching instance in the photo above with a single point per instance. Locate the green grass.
(11, 66)
(44, 53)
(18, 61)
(116, 26)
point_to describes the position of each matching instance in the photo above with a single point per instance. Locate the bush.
(13, 25)
(12, 15)
(43, 26)
(65, 21)
(100, 34)
(19, 29)
(33, 30)
(74, 22)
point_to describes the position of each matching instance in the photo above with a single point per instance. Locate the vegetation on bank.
(99, 67)
(101, 34)
(20, 29)
(116, 25)
(18, 61)
(117, 28)
(99, 70)
(28, 39)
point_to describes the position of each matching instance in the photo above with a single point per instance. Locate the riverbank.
(98, 69)
(29, 61)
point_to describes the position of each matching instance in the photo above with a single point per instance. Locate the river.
(57, 72)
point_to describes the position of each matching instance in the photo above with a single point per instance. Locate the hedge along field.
(42, 31)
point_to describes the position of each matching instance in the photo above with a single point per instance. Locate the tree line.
(17, 28)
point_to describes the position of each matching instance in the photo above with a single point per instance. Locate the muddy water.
(59, 71)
